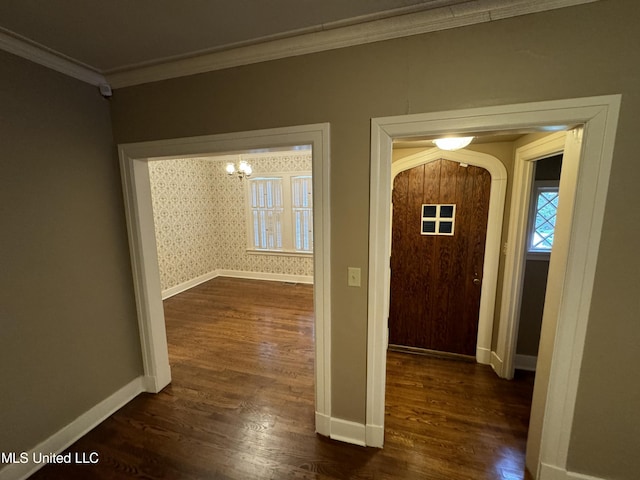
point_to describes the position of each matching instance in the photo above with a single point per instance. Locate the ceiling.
(128, 42)
(114, 34)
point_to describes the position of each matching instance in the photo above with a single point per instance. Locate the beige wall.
(574, 52)
(200, 220)
(68, 328)
(533, 290)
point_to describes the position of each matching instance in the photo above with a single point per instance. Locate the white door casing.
(142, 243)
(523, 174)
(599, 116)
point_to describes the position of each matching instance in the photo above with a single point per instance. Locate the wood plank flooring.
(241, 405)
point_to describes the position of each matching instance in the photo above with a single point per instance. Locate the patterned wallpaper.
(199, 215)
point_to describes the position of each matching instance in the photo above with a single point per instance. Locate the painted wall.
(200, 219)
(566, 53)
(68, 327)
(534, 287)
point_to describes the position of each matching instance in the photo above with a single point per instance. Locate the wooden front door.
(440, 212)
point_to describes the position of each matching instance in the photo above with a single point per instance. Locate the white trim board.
(270, 277)
(599, 115)
(432, 20)
(348, 432)
(184, 286)
(72, 432)
(516, 251)
(142, 242)
(49, 58)
(549, 472)
(340, 34)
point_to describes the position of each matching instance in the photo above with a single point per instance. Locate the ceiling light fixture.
(452, 143)
(242, 170)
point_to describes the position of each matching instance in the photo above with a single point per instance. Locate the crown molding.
(469, 13)
(326, 37)
(18, 45)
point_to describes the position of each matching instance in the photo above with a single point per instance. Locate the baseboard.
(374, 435)
(70, 433)
(550, 472)
(526, 362)
(273, 277)
(496, 363)
(349, 432)
(323, 424)
(483, 356)
(155, 384)
(170, 292)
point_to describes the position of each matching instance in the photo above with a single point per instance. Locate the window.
(280, 216)
(266, 213)
(438, 219)
(302, 201)
(543, 217)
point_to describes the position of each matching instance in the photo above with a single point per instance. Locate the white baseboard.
(483, 356)
(550, 472)
(170, 292)
(375, 435)
(496, 363)
(70, 433)
(274, 277)
(349, 432)
(323, 424)
(526, 362)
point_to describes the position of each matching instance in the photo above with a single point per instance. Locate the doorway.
(463, 172)
(599, 115)
(139, 213)
(207, 225)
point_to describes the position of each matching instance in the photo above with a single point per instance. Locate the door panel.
(434, 301)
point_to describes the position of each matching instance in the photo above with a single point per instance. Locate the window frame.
(437, 219)
(538, 187)
(287, 218)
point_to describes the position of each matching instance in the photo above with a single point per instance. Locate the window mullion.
(287, 230)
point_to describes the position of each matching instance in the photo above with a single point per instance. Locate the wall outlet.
(354, 277)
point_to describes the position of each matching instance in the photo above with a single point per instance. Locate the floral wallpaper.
(199, 215)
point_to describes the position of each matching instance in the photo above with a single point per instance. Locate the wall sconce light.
(243, 169)
(453, 143)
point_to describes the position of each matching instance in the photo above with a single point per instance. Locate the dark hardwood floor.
(241, 405)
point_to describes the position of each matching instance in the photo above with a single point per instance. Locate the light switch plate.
(354, 276)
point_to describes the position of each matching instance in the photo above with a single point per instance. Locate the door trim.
(497, 195)
(599, 115)
(523, 168)
(144, 258)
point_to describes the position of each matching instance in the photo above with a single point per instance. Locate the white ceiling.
(128, 42)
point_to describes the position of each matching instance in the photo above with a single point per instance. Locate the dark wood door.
(440, 212)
